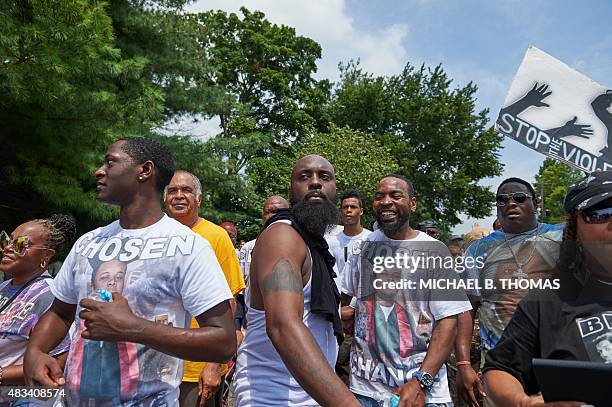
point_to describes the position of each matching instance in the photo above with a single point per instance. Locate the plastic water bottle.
(105, 295)
(387, 399)
(392, 400)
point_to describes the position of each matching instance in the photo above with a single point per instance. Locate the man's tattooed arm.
(282, 278)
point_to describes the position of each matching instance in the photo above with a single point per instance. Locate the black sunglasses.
(518, 197)
(597, 216)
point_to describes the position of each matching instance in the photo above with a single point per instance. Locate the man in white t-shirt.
(162, 273)
(401, 337)
(341, 245)
(270, 207)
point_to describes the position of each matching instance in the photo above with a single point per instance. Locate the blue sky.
(479, 41)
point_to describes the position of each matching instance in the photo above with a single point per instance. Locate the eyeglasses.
(518, 197)
(20, 244)
(597, 216)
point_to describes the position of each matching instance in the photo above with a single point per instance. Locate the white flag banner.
(559, 112)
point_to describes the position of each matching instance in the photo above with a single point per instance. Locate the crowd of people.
(165, 309)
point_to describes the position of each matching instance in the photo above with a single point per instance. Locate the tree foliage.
(76, 75)
(435, 135)
(67, 91)
(267, 69)
(555, 177)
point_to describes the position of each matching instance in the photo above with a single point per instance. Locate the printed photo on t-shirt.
(596, 334)
(166, 273)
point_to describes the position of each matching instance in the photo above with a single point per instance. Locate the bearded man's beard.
(389, 229)
(315, 218)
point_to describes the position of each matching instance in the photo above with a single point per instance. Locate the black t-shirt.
(573, 323)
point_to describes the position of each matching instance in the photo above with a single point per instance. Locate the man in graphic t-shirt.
(401, 337)
(523, 248)
(165, 272)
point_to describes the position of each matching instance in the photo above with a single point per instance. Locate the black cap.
(589, 191)
(427, 224)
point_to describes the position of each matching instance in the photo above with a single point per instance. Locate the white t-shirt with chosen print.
(167, 273)
(376, 369)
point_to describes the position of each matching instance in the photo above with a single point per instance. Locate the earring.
(43, 264)
(140, 178)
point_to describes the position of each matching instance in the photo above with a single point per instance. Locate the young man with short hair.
(170, 274)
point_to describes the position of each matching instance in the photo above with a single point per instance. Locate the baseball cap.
(427, 224)
(589, 191)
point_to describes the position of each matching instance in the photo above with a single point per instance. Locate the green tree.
(555, 177)
(67, 92)
(266, 71)
(269, 97)
(436, 137)
(176, 50)
(75, 76)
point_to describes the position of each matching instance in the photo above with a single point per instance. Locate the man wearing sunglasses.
(522, 247)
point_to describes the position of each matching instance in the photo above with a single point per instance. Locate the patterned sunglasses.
(20, 244)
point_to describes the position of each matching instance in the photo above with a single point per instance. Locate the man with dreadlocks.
(572, 322)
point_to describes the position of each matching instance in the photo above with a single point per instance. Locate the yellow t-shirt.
(226, 255)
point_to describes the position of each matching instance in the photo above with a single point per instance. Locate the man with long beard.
(401, 337)
(288, 354)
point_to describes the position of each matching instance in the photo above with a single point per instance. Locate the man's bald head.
(276, 199)
(271, 206)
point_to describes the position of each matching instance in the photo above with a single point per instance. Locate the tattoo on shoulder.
(282, 278)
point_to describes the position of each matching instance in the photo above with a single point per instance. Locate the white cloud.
(326, 21)
(201, 128)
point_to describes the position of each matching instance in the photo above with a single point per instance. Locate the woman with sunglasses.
(559, 324)
(26, 254)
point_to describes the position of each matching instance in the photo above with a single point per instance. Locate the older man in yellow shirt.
(183, 197)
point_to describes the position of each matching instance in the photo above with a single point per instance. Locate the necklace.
(520, 274)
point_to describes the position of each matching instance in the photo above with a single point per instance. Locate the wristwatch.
(426, 381)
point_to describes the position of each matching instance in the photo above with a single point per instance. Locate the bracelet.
(1, 373)
(463, 363)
